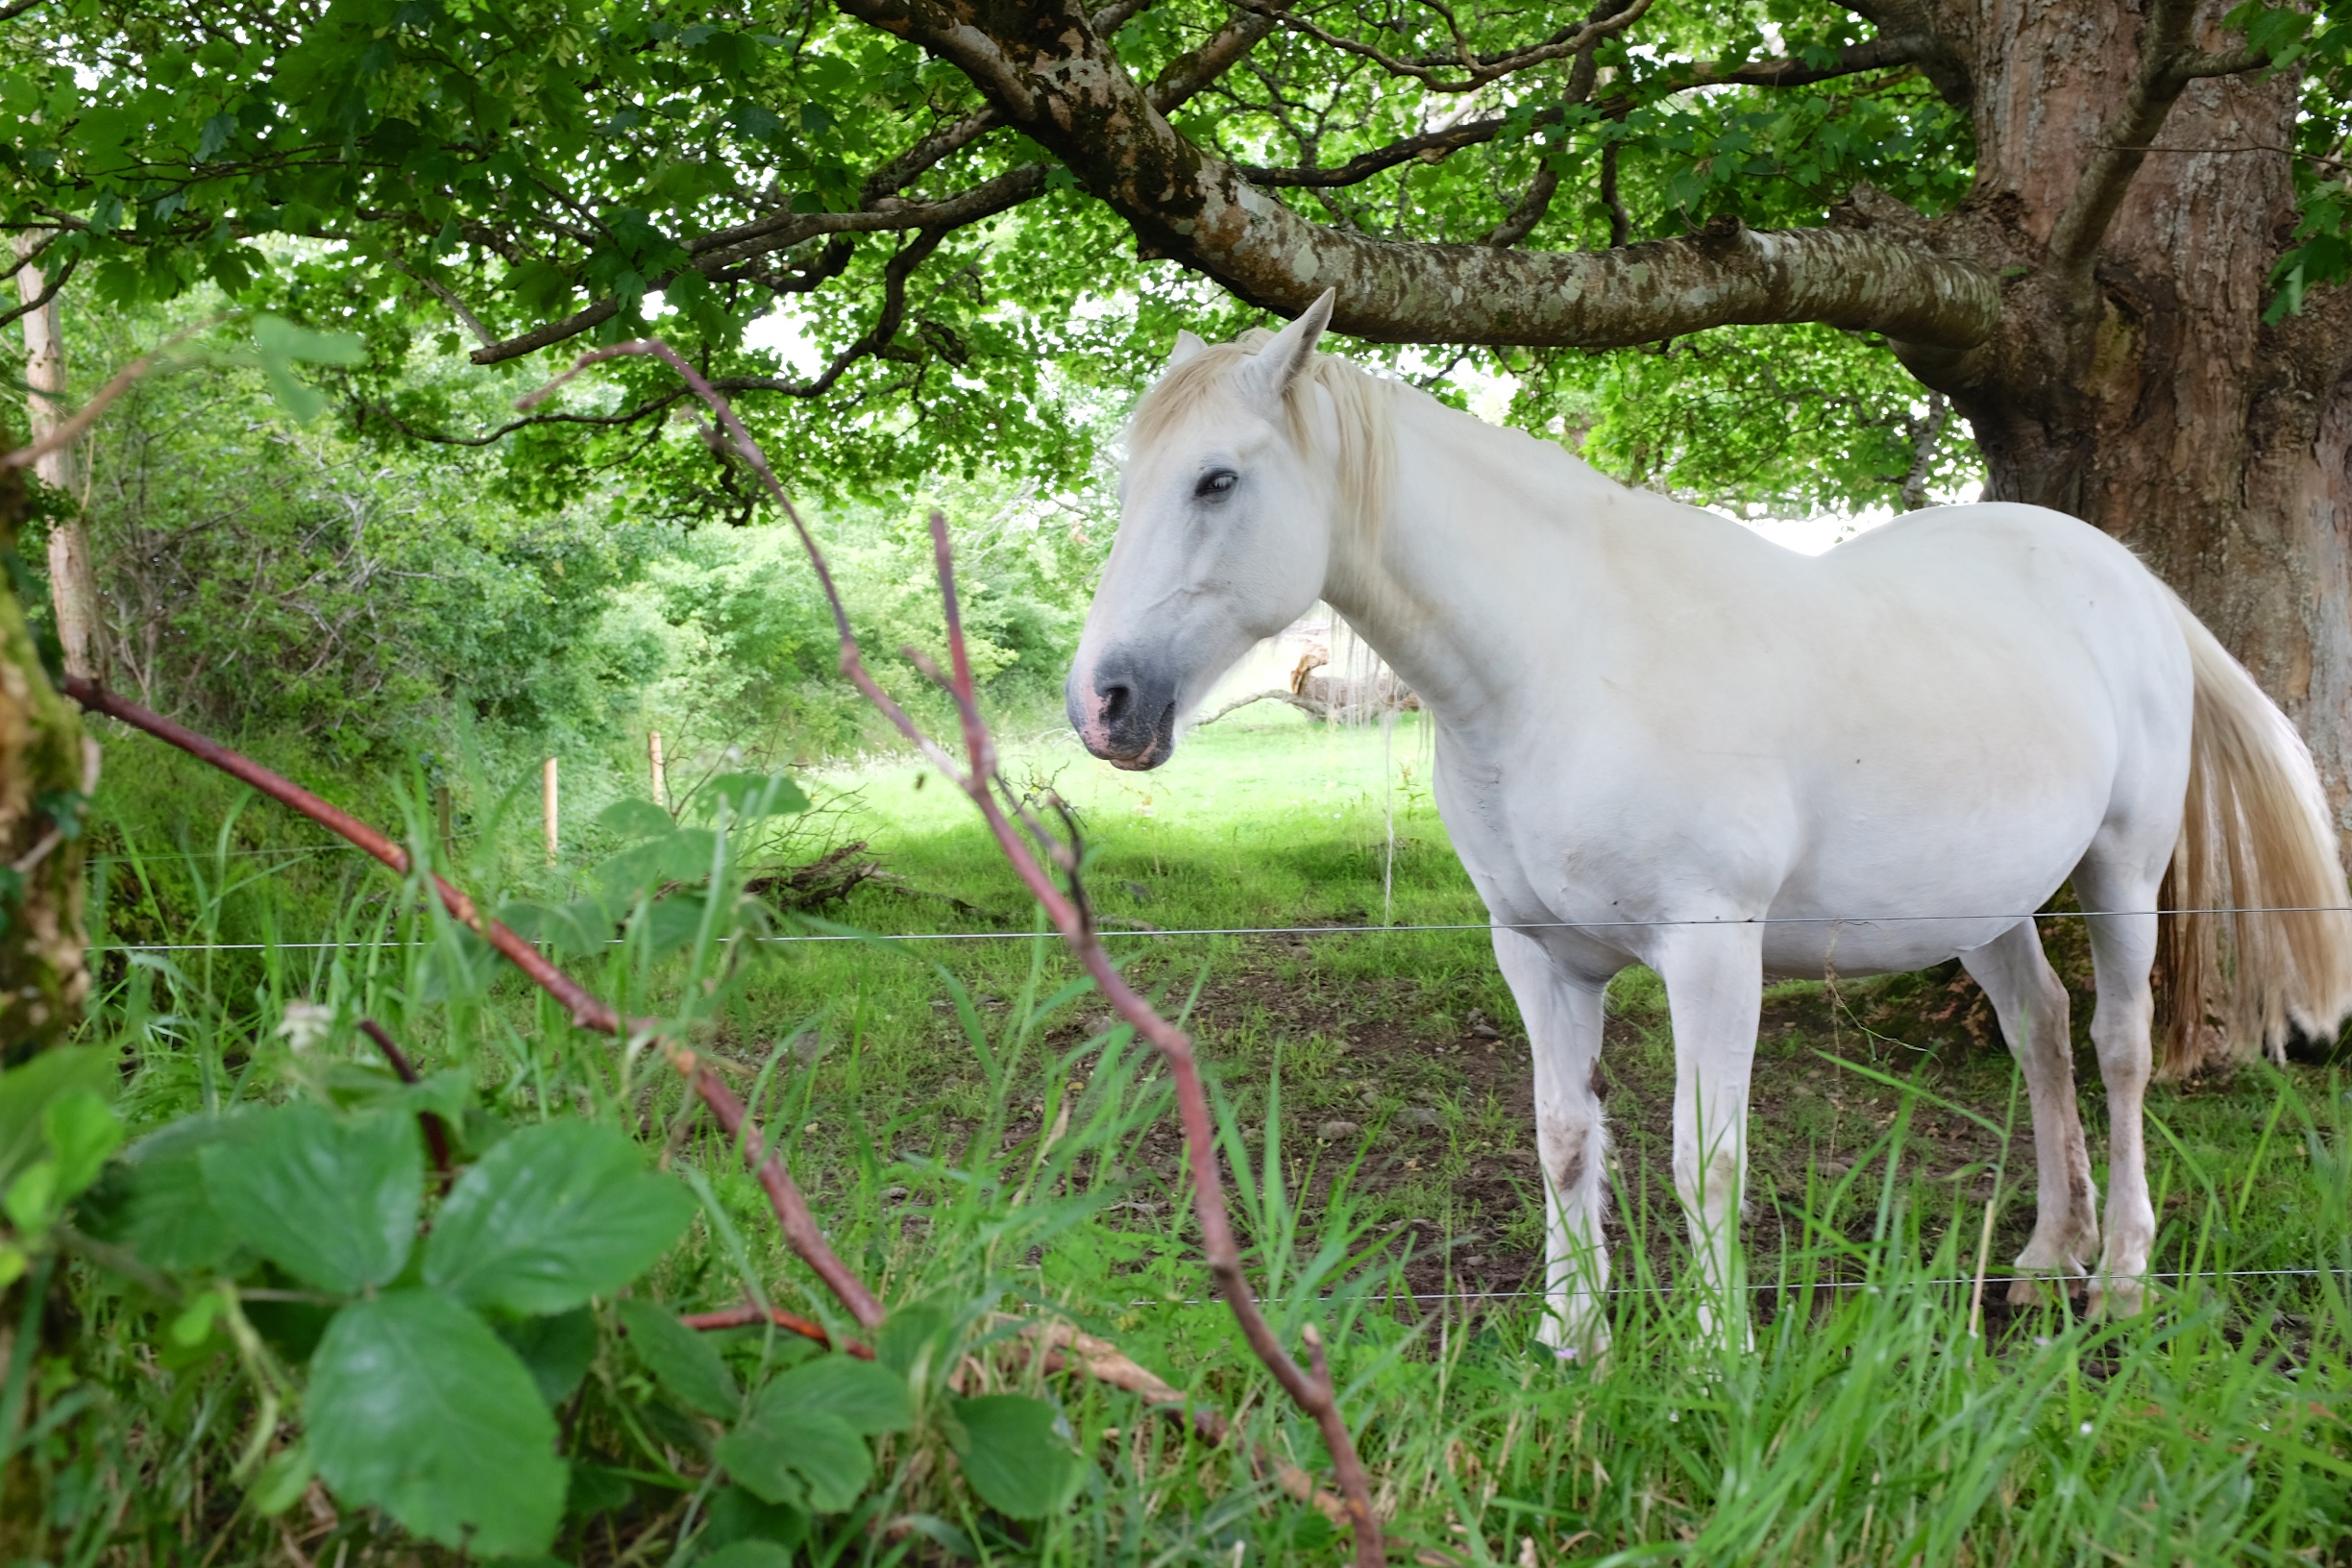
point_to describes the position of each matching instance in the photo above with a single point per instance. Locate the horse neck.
(1480, 550)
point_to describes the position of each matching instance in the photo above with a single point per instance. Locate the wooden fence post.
(547, 805)
(661, 785)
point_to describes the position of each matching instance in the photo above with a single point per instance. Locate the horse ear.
(1187, 346)
(1278, 364)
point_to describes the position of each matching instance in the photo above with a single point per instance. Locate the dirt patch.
(1428, 1106)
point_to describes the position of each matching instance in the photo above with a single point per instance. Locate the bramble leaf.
(329, 1200)
(633, 819)
(415, 1408)
(1015, 1453)
(555, 1350)
(809, 1458)
(681, 1361)
(551, 1216)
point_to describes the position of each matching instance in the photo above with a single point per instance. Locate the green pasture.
(977, 1138)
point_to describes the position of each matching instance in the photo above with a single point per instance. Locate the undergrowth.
(998, 1161)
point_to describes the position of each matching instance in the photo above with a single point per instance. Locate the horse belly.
(1915, 852)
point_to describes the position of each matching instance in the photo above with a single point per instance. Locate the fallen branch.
(832, 875)
(1307, 706)
(1066, 1349)
(743, 1317)
(1309, 1387)
(799, 1226)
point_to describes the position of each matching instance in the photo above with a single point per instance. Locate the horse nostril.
(1114, 701)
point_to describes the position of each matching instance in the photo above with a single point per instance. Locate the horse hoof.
(2117, 1298)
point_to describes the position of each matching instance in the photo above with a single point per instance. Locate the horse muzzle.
(1122, 713)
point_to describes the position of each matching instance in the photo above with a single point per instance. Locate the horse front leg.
(1562, 1012)
(1714, 979)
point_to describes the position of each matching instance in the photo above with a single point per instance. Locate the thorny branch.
(799, 1226)
(978, 776)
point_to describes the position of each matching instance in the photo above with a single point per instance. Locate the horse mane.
(1366, 451)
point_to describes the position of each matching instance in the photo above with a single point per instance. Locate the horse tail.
(2257, 941)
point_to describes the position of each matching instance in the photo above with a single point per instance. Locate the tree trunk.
(73, 581)
(47, 769)
(2154, 401)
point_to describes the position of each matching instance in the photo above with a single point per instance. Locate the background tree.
(2107, 234)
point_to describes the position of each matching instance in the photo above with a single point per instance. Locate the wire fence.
(1141, 933)
(1996, 1274)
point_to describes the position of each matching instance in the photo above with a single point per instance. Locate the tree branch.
(627, 416)
(1530, 212)
(728, 248)
(1854, 60)
(2166, 64)
(1432, 146)
(1189, 73)
(1059, 85)
(1621, 222)
(1480, 70)
(447, 296)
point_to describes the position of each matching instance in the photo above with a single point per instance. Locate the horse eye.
(1216, 482)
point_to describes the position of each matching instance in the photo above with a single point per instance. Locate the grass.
(1377, 1123)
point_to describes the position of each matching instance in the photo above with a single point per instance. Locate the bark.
(1047, 74)
(73, 581)
(2143, 392)
(47, 769)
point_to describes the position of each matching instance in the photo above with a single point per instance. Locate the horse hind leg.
(2125, 886)
(2031, 1004)
(1563, 1018)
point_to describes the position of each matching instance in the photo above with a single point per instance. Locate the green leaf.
(551, 1216)
(736, 1515)
(556, 1350)
(84, 1132)
(871, 1399)
(802, 1437)
(634, 819)
(276, 337)
(595, 1489)
(334, 1202)
(279, 344)
(30, 1201)
(807, 1456)
(155, 1204)
(751, 1553)
(681, 1361)
(682, 855)
(415, 1408)
(27, 1092)
(750, 797)
(1017, 1454)
(281, 1481)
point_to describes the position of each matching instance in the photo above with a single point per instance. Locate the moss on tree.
(47, 768)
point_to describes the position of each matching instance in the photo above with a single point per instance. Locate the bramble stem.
(588, 1011)
(978, 777)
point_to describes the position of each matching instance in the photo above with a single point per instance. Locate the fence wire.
(1993, 1276)
(1142, 933)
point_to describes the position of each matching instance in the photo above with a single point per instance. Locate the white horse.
(1663, 740)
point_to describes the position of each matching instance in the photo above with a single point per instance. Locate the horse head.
(1226, 515)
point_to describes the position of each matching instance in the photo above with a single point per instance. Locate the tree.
(47, 771)
(2109, 234)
